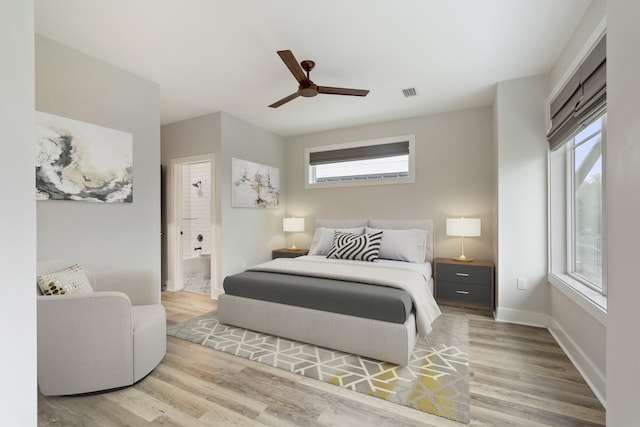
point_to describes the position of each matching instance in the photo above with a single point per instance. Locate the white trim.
(591, 301)
(522, 317)
(594, 378)
(571, 204)
(174, 215)
(407, 180)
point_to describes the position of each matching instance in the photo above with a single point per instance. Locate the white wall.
(18, 366)
(454, 177)
(244, 236)
(196, 202)
(98, 235)
(522, 201)
(622, 207)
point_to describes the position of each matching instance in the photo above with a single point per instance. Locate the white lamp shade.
(293, 224)
(466, 227)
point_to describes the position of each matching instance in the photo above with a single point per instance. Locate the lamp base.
(463, 258)
(293, 248)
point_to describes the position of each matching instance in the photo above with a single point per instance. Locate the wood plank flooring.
(519, 377)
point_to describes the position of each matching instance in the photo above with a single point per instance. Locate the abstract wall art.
(81, 161)
(254, 185)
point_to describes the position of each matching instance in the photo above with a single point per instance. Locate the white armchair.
(109, 338)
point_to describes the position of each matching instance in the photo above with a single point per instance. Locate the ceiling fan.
(306, 87)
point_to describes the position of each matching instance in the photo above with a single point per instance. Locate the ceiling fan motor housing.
(308, 91)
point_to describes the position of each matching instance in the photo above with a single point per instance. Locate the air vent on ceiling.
(409, 92)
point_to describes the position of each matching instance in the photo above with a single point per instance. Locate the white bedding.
(423, 268)
(411, 277)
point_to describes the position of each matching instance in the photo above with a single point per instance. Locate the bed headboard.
(388, 224)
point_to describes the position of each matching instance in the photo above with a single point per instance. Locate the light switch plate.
(522, 283)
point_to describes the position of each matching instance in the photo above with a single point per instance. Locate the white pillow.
(323, 238)
(69, 281)
(402, 245)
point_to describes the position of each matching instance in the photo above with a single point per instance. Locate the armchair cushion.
(71, 280)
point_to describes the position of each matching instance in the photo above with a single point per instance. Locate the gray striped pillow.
(364, 247)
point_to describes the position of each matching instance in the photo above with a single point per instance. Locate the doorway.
(196, 227)
(191, 225)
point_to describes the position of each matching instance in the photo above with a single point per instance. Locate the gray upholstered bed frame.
(391, 342)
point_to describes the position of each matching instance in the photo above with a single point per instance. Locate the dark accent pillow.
(364, 247)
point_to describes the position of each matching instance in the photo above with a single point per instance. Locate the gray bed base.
(376, 339)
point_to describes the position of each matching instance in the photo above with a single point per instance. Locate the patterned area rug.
(436, 379)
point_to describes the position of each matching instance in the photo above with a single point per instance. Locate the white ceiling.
(220, 55)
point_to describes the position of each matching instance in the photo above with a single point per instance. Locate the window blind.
(582, 99)
(359, 153)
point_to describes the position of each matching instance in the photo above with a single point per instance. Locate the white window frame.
(561, 190)
(591, 301)
(410, 179)
(570, 194)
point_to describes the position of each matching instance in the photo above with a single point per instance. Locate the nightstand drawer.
(464, 292)
(480, 275)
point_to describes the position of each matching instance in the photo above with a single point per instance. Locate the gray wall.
(97, 235)
(454, 177)
(18, 367)
(192, 137)
(249, 235)
(522, 201)
(244, 236)
(187, 138)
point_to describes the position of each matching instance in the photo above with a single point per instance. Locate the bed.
(371, 307)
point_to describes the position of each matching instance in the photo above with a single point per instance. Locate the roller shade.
(582, 99)
(359, 153)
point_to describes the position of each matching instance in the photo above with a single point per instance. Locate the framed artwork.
(254, 185)
(81, 161)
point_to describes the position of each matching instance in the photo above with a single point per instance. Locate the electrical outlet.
(522, 283)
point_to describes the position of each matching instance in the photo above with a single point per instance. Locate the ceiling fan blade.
(293, 66)
(342, 91)
(284, 100)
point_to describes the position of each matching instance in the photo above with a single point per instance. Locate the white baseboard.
(171, 286)
(522, 317)
(591, 374)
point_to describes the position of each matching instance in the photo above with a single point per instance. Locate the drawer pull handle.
(462, 274)
(462, 292)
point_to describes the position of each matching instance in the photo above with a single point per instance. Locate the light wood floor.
(519, 377)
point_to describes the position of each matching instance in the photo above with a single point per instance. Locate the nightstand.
(464, 284)
(288, 253)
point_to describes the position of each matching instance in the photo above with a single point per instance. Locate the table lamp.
(463, 227)
(293, 225)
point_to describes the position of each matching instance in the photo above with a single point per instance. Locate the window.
(577, 142)
(381, 161)
(586, 203)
